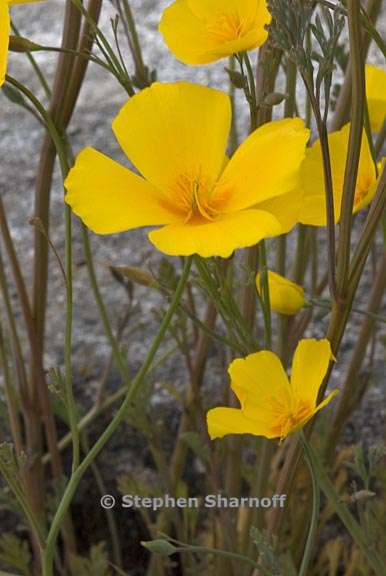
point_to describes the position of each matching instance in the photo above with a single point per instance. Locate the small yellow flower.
(203, 31)
(376, 96)
(313, 210)
(176, 136)
(286, 297)
(5, 30)
(271, 405)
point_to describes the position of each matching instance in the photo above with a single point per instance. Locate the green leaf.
(15, 553)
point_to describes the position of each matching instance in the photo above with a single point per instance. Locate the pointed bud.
(160, 547)
(20, 44)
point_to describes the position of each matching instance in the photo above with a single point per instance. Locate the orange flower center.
(289, 422)
(190, 198)
(226, 27)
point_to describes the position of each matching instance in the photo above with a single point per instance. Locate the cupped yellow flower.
(272, 405)
(313, 209)
(376, 96)
(176, 136)
(286, 297)
(5, 30)
(203, 31)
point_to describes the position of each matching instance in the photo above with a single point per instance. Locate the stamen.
(226, 27)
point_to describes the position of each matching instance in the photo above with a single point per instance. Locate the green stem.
(367, 547)
(135, 45)
(182, 547)
(354, 148)
(252, 96)
(307, 556)
(60, 148)
(325, 304)
(265, 298)
(224, 553)
(38, 71)
(114, 424)
(68, 381)
(119, 360)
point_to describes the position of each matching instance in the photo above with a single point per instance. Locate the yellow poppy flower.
(286, 297)
(313, 208)
(5, 30)
(176, 136)
(203, 31)
(376, 96)
(271, 405)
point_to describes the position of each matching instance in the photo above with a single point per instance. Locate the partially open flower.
(176, 136)
(5, 30)
(313, 210)
(202, 31)
(376, 96)
(271, 405)
(286, 297)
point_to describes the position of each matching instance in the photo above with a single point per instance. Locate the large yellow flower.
(286, 297)
(313, 209)
(376, 96)
(5, 30)
(176, 136)
(203, 31)
(271, 405)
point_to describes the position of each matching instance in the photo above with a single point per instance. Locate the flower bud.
(160, 547)
(20, 44)
(286, 297)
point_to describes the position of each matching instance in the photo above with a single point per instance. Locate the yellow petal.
(110, 198)
(286, 297)
(5, 28)
(222, 421)
(169, 130)
(219, 237)
(376, 96)
(286, 208)
(200, 32)
(309, 367)
(313, 210)
(260, 383)
(266, 165)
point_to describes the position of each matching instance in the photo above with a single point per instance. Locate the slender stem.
(354, 148)
(110, 516)
(329, 188)
(36, 67)
(265, 299)
(68, 381)
(307, 556)
(11, 396)
(224, 553)
(100, 408)
(135, 46)
(325, 304)
(114, 424)
(119, 360)
(350, 392)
